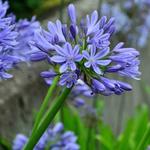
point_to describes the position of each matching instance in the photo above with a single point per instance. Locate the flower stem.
(45, 103)
(144, 139)
(47, 119)
(62, 112)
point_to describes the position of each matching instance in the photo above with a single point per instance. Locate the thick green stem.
(146, 137)
(47, 119)
(45, 103)
(62, 114)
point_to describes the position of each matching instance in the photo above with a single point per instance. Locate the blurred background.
(22, 95)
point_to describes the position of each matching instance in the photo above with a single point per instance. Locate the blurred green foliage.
(130, 137)
(99, 135)
(24, 8)
(95, 134)
(28, 8)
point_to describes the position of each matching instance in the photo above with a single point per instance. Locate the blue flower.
(68, 79)
(100, 39)
(67, 56)
(19, 142)
(82, 52)
(54, 138)
(49, 76)
(8, 42)
(114, 86)
(92, 23)
(130, 25)
(131, 69)
(72, 13)
(108, 87)
(80, 93)
(123, 55)
(4, 20)
(55, 31)
(94, 59)
(97, 86)
(127, 59)
(78, 102)
(81, 88)
(25, 30)
(40, 42)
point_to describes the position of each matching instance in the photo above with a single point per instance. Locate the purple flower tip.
(72, 13)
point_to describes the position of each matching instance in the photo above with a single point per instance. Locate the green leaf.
(4, 144)
(125, 139)
(106, 137)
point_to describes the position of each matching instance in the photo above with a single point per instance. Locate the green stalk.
(62, 114)
(47, 119)
(45, 104)
(144, 139)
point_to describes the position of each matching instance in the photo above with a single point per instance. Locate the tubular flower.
(7, 42)
(80, 93)
(82, 52)
(25, 30)
(53, 138)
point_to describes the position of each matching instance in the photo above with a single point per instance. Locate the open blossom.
(55, 135)
(83, 52)
(95, 59)
(67, 56)
(68, 79)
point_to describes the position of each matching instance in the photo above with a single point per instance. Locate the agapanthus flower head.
(83, 51)
(7, 42)
(54, 138)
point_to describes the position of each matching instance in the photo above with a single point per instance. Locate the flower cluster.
(83, 52)
(25, 30)
(54, 138)
(132, 20)
(7, 42)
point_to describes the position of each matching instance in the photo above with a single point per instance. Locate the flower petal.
(86, 54)
(87, 64)
(96, 69)
(103, 62)
(58, 59)
(102, 53)
(73, 66)
(72, 13)
(78, 58)
(63, 67)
